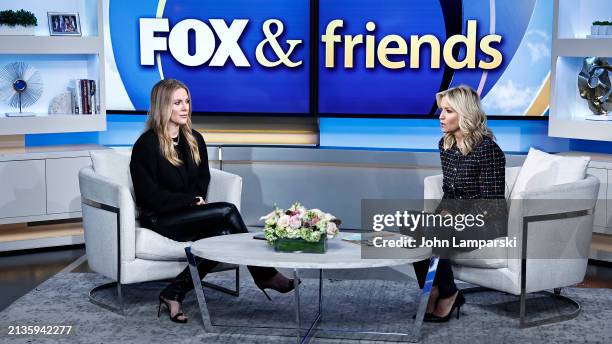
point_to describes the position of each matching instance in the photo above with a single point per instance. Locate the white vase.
(17, 30)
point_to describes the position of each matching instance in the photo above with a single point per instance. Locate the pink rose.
(295, 222)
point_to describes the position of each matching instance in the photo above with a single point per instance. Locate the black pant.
(201, 222)
(444, 280)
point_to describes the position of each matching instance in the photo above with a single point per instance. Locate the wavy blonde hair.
(472, 119)
(159, 116)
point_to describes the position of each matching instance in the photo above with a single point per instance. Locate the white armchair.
(116, 246)
(563, 229)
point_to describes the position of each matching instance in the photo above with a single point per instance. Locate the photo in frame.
(64, 24)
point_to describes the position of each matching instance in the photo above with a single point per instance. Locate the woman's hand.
(444, 212)
(200, 200)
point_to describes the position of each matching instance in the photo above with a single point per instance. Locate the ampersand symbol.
(271, 38)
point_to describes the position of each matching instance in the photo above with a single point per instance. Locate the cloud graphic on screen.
(538, 43)
(509, 98)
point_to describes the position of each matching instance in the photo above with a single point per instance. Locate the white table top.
(242, 249)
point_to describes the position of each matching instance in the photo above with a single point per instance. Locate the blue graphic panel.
(378, 90)
(219, 89)
(509, 89)
(411, 91)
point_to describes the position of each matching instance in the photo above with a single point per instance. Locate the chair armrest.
(432, 192)
(432, 187)
(100, 225)
(224, 187)
(559, 199)
(98, 188)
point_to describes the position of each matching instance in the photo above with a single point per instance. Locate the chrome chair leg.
(523, 322)
(119, 309)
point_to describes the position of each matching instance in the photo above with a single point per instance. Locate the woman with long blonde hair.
(170, 173)
(473, 168)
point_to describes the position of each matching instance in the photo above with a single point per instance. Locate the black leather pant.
(201, 222)
(444, 280)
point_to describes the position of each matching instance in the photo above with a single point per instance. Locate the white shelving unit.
(40, 184)
(50, 45)
(52, 123)
(570, 116)
(60, 59)
(601, 167)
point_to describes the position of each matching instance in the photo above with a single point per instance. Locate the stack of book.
(85, 97)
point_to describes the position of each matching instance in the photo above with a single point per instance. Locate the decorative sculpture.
(20, 85)
(594, 84)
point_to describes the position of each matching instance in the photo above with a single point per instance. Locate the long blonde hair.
(159, 116)
(472, 119)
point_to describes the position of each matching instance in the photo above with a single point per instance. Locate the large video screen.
(211, 46)
(405, 82)
(374, 58)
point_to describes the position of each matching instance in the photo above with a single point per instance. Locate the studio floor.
(38, 272)
(22, 271)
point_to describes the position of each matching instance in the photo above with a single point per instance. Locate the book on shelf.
(85, 97)
(76, 97)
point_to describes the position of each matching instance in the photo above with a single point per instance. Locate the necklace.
(177, 140)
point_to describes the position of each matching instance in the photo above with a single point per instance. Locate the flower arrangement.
(297, 222)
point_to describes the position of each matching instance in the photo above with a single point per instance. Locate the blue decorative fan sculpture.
(20, 86)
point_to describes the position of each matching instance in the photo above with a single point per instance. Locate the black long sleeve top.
(161, 187)
(475, 183)
(478, 175)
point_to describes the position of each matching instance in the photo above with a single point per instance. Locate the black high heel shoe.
(459, 301)
(174, 318)
(274, 286)
(426, 316)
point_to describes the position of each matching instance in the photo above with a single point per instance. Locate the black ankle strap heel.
(174, 318)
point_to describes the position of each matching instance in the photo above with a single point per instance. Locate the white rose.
(332, 229)
(283, 221)
(301, 213)
(317, 212)
(265, 217)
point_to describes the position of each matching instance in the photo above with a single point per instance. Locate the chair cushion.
(541, 169)
(115, 165)
(153, 246)
(485, 258)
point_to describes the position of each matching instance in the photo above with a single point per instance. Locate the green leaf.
(21, 17)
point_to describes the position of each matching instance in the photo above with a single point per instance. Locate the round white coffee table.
(242, 249)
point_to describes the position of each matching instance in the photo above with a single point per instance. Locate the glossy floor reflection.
(22, 271)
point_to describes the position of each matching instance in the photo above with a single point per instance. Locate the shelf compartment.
(580, 47)
(52, 124)
(50, 45)
(576, 17)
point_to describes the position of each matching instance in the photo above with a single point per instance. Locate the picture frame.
(64, 24)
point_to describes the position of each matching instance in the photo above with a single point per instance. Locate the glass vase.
(301, 245)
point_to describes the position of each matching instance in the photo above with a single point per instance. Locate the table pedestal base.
(303, 334)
